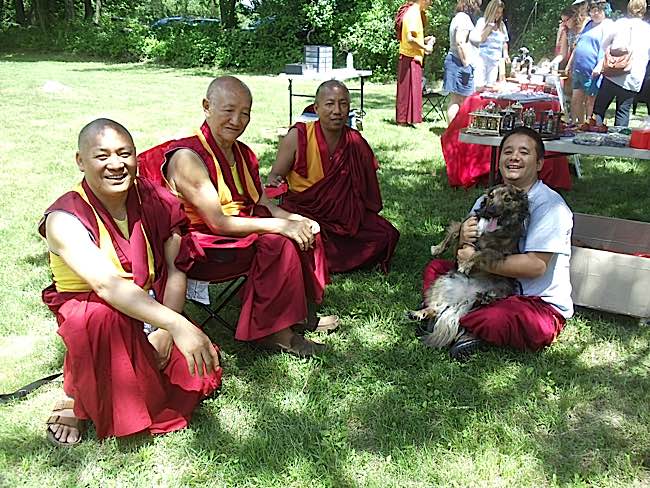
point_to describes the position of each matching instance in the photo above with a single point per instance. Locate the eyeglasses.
(597, 7)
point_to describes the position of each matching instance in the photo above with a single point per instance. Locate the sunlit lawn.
(378, 409)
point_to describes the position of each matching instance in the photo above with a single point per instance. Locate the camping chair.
(434, 101)
(226, 252)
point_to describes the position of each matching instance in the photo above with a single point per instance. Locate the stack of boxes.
(319, 58)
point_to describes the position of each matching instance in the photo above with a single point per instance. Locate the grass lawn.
(378, 409)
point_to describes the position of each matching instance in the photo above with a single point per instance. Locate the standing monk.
(217, 179)
(332, 177)
(118, 250)
(410, 22)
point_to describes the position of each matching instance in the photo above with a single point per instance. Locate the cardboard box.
(605, 274)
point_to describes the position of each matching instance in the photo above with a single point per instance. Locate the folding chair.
(222, 299)
(434, 101)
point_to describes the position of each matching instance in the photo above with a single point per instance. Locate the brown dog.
(501, 215)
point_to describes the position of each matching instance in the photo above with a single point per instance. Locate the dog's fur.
(501, 216)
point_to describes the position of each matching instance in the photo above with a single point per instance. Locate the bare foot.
(64, 429)
(162, 342)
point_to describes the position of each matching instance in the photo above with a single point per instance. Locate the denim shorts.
(587, 83)
(459, 79)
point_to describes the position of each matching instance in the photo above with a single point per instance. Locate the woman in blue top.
(491, 35)
(588, 52)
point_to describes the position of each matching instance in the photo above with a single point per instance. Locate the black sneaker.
(465, 347)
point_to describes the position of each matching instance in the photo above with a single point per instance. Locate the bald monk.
(217, 179)
(118, 249)
(332, 176)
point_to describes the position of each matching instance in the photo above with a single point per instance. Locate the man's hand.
(315, 226)
(469, 231)
(162, 342)
(274, 180)
(299, 231)
(195, 346)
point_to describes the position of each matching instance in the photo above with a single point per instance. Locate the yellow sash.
(298, 183)
(65, 279)
(228, 206)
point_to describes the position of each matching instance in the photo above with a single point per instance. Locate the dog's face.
(506, 203)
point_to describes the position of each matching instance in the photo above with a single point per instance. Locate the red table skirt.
(469, 164)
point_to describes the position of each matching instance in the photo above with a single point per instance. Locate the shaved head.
(229, 85)
(329, 85)
(96, 127)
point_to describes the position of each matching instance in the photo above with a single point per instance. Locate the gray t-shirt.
(460, 22)
(548, 229)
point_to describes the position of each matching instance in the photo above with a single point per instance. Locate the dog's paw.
(417, 315)
(437, 250)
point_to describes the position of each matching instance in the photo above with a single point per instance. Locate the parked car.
(185, 20)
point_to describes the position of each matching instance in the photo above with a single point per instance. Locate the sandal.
(58, 417)
(328, 324)
(298, 346)
(465, 347)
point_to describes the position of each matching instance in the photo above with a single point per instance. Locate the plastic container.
(640, 139)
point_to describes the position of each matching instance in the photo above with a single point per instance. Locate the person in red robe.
(118, 249)
(332, 177)
(410, 22)
(217, 179)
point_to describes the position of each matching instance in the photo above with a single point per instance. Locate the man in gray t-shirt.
(533, 319)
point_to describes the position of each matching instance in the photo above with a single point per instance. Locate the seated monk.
(332, 176)
(118, 249)
(217, 179)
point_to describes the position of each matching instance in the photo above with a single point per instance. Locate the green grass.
(378, 409)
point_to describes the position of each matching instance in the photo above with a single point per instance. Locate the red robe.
(345, 202)
(110, 368)
(281, 278)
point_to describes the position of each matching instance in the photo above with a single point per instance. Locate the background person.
(459, 69)
(411, 20)
(631, 33)
(587, 54)
(491, 35)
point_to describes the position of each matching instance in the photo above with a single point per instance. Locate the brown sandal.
(328, 324)
(298, 346)
(59, 418)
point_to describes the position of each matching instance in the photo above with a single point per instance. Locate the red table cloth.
(469, 164)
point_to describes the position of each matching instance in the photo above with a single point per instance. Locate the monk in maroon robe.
(332, 176)
(217, 179)
(119, 247)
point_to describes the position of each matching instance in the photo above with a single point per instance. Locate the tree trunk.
(20, 12)
(228, 19)
(42, 13)
(69, 10)
(88, 10)
(98, 11)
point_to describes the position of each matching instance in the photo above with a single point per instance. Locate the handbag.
(618, 61)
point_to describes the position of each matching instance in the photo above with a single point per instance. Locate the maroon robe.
(110, 368)
(346, 202)
(281, 277)
(526, 323)
(408, 102)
